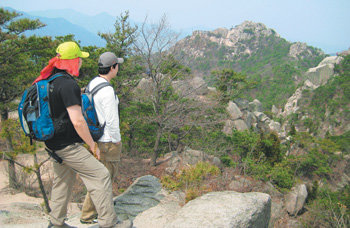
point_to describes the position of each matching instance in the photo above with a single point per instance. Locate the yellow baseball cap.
(70, 50)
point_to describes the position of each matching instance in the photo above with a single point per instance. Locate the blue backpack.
(35, 114)
(34, 111)
(89, 112)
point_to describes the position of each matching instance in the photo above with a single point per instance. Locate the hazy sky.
(321, 23)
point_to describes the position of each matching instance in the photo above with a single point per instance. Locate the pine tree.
(20, 57)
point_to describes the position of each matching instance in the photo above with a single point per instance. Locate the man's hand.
(95, 151)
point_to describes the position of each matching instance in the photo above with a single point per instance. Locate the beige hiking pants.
(78, 160)
(110, 157)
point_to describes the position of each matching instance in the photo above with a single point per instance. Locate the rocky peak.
(241, 39)
(249, 28)
(245, 31)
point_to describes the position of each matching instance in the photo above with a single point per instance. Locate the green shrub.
(244, 142)
(282, 176)
(227, 161)
(270, 146)
(191, 179)
(259, 170)
(314, 163)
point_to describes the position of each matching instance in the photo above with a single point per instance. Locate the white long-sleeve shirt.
(106, 105)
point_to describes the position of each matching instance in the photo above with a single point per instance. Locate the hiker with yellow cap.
(71, 131)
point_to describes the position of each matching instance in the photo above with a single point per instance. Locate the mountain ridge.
(276, 65)
(61, 27)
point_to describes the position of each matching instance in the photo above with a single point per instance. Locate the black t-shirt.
(64, 92)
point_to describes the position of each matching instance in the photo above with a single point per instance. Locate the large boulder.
(161, 214)
(225, 209)
(319, 75)
(295, 199)
(233, 110)
(144, 193)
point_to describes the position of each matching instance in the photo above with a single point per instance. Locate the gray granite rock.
(143, 194)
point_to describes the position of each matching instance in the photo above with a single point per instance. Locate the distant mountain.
(276, 65)
(59, 26)
(102, 22)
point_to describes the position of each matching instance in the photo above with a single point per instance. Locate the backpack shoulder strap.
(53, 77)
(99, 86)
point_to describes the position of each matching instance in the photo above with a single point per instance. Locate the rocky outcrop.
(188, 157)
(191, 88)
(317, 76)
(295, 199)
(245, 115)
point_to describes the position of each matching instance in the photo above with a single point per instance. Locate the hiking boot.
(90, 221)
(64, 225)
